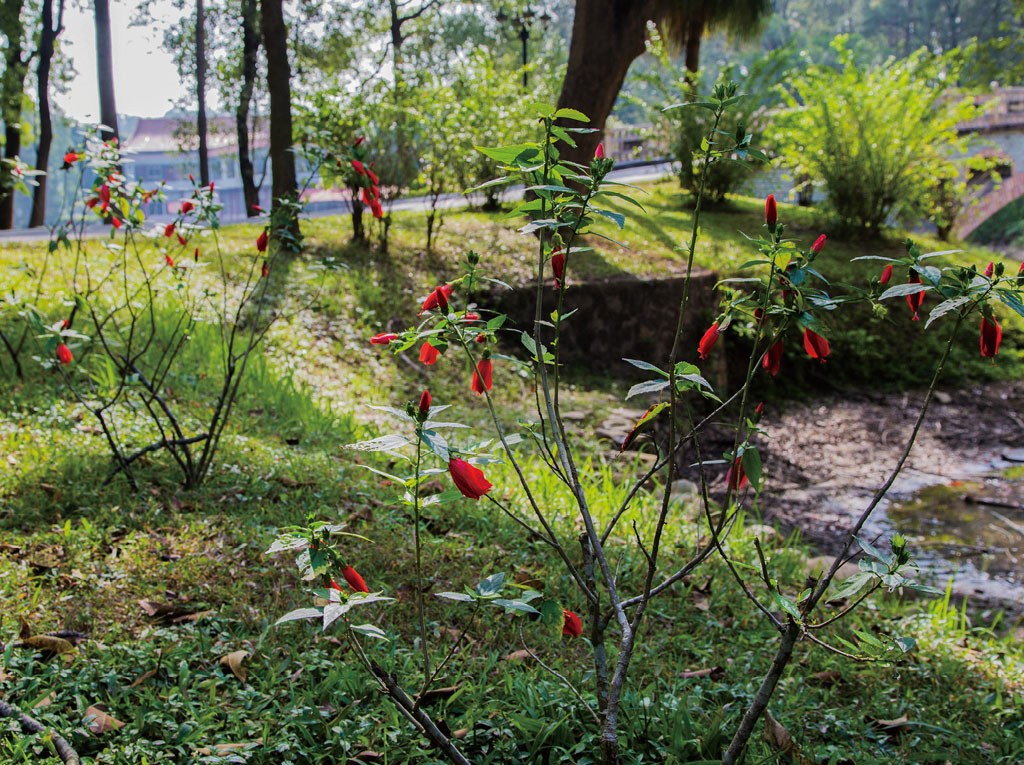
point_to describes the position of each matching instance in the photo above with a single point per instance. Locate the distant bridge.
(1002, 126)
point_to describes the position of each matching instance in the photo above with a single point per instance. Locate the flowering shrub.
(781, 292)
(139, 297)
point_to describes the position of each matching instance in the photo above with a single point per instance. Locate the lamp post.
(522, 24)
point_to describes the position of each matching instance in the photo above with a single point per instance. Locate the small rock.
(767, 534)
(942, 397)
(822, 563)
(574, 416)
(1014, 455)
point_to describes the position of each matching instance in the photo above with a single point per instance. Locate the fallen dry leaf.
(715, 673)
(46, 700)
(437, 694)
(48, 644)
(165, 614)
(366, 758)
(222, 749)
(460, 733)
(233, 661)
(100, 721)
(828, 677)
(142, 678)
(780, 739)
(521, 655)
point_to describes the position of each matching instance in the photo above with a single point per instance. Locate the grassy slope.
(77, 555)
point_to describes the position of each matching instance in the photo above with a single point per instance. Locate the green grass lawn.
(79, 555)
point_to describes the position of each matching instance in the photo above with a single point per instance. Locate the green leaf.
(437, 444)
(752, 465)
(571, 114)
(868, 638)
(370, 630)
(459, 596)
(873, 551)
(852, 586)
(489, 184)
(1011, 300)
(650, 386)
(945, 307)
(491, 585)
(618, 218)
(515, 605)
(786, 604)
(905, 644)
(646, 365)
(300, 613)
(901, 290)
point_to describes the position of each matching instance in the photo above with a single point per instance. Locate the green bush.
(882, 142)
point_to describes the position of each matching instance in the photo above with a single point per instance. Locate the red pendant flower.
(991, 335)
(482, 376)
(558, 267)
(818, 244)
(428, 353)
(169, 260)
(915, 300)
(773, 359)
(384, 338)
(990, 268)
(572, 626)
(707, 342)
(265, 271)
(64, 354)
(70, 158)
(815, 345)
(169, 230)
(886, 275)
(354, 580)
(358, 167)
(736, 478)
(438, 299)
(468, 479)
(424, 403)
(187, 207)
(262, 241)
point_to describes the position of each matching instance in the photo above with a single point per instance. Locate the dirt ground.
(825, 459)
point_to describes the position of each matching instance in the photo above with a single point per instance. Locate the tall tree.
(105, 69)
(16, 61)
(250, 54)
(282, 159)
(48, 34)
(204, 156)
(607, 35)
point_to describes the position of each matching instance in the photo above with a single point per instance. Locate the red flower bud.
(65, 323)
(915, 300)
(438, 299)
(1020, 271)
(373, 179)
(818, 244)
(70, 158)
(773, 359)
(384, 338)
(197, 255)
(182, 240)
(64, 354)
(211, 187)
(105, 194)
(599, 154)
(191, 178)
(758, 317)
(425, 402)
(358, 167)
(481, 338)
(359, 140)
(376, 209)
(815, 345)
(771, 212)
(707, 342)
(886, 275)
(92, 202)
(759, 409)
(468, 479)
(471, 317)
(558, 267)
(169, 260)
(169, 230)
(991, 335)
(257, 209)
(572, 626)
(116, 222)
(265, 271)
(428, 353)
(482, 376)
(187, 207)
(736, 478)
(262, 240)
(988, 270)
(354, 580)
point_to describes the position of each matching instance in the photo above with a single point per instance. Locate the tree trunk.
(282, 160)
(105, 69)
(11, 95)
(694, 31)
(204, 158)
(250, 52)
(47, 35)
(607, 35)
(358, 232)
